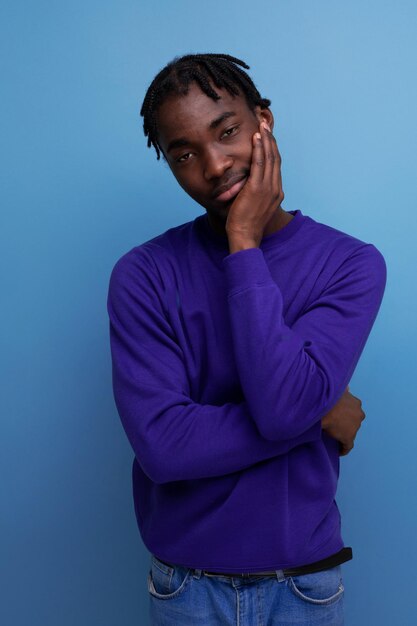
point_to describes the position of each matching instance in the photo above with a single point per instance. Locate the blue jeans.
(180, 596)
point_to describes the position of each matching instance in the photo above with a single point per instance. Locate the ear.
(265, 115)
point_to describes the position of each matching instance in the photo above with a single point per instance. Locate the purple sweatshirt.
(223, 366)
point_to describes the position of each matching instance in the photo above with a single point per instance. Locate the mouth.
(226, 192)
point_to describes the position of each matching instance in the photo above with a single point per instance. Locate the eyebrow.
(183, 141)
(224, 116)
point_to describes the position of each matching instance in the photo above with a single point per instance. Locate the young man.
(234, 337)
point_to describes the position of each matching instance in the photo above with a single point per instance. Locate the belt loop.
(280, 575)
(196, 573)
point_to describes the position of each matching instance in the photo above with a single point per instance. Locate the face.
(208, 146)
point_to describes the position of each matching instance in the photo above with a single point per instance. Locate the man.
(234, 337)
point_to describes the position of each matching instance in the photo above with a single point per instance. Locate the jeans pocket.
(324, 587)
(167, 581)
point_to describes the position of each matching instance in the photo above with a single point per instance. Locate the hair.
(175, 78)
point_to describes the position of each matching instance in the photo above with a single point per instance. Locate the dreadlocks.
(175, 78)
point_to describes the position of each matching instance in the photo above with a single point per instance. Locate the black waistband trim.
(345, 554)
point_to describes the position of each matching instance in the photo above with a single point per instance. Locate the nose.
(216, 162)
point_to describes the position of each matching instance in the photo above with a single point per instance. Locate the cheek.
(189, 183)
(245, 146)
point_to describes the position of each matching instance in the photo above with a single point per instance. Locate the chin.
(221, 207)
(220, 212)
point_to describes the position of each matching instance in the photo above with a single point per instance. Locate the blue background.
(80, 188)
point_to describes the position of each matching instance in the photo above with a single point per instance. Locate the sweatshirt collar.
(274, 239)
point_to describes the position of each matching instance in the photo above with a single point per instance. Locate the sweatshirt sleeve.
(292, 376)
(173, 438)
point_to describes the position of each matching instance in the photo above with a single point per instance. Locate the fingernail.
(258, 135)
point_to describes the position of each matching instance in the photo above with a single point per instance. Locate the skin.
(211, 146)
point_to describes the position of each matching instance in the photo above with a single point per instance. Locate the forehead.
(196, 110)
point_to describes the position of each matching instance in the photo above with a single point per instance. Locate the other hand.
(343, 421)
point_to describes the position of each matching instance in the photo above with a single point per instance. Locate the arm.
(292, 376)
(297, 374)
(173, 437)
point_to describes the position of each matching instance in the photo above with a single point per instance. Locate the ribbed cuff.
(246, 268)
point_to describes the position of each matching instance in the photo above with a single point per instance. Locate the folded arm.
(173, 437)
(291, 376)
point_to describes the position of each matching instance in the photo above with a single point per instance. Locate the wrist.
(241, 241)
(236, 245)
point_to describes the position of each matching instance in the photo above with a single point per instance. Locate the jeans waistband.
(345, 554)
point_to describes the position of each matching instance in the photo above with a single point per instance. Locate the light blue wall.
(80, 188)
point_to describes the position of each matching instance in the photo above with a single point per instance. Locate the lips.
(231, 189)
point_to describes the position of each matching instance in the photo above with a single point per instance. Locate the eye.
(230, 131)
(184, 158)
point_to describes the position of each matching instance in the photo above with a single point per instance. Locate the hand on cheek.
(256, 203)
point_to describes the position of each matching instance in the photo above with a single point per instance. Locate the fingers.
(359, 410)
(258, 160)
(344, 449)
(265, 172)
(268, 155)
(265, 153)
(272, 168)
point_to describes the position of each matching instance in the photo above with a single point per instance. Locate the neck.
(278, 221)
